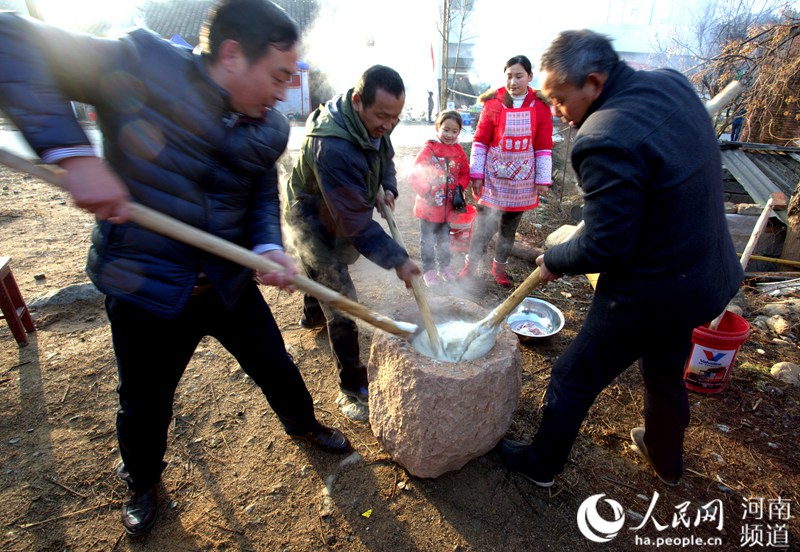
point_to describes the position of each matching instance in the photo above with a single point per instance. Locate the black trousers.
(486, 224)
(153, 352)
(434, 245)
(342, 331)
(591, 362)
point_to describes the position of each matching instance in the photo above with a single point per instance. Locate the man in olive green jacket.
(345, 161)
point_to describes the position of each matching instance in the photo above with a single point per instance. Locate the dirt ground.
(236, 482)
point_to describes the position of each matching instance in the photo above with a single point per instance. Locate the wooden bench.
(15, 311)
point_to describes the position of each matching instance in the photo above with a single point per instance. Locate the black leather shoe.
(637, 436)
(327, 439)
(361, 394)
(311, 323)
(139, 512)
(514, 456)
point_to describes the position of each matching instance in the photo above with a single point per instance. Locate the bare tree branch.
(761, 48)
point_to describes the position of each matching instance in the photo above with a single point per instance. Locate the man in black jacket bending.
(195, 137)
(650, 169)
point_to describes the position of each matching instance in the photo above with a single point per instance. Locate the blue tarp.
(176, 39)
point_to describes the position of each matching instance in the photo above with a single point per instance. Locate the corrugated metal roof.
(762, 169)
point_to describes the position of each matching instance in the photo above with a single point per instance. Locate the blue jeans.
(434, 245)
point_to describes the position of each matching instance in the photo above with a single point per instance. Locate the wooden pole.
(161, 223)
(416, 287)
(758, 229)
(723, 98)
(774, 260)
(761, 223)
(498, 315)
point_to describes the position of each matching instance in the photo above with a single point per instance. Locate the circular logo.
(592, 524)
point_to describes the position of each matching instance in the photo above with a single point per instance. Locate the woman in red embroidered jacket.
(440, 168)
(510, 165)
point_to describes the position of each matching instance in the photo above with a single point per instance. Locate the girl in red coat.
(510, 165)
(439, 169)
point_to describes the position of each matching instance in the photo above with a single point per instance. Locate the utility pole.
(445, 41)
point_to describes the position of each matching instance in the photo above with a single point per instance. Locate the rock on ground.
(787, 372)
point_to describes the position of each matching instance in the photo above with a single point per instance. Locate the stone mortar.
(433, 416)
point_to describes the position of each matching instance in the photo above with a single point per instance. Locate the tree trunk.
(791, 245)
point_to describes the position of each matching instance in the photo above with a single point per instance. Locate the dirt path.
(235, 482)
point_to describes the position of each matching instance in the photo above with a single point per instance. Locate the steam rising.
(349, 37)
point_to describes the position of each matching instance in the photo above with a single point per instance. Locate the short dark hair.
(574, 54)
(522, 60)
(451, 114)
(256, 25)
(379, 76)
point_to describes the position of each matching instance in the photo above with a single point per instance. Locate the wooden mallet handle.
(175, 229)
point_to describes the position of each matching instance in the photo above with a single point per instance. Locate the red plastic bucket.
(461, 228)
(713, 353)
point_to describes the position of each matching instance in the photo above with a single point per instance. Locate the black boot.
(139, 512)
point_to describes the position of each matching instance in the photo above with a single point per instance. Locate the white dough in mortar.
(451, 335)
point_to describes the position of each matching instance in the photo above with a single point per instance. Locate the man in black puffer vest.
(195, 137)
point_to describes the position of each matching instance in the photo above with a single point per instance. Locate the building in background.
(180, 22)
(297, 104)
(185, 18)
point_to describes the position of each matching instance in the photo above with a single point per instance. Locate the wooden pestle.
(498, 315)
(168, 226)
(416, 287)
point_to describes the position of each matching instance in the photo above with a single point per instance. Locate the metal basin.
(535, 319)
